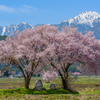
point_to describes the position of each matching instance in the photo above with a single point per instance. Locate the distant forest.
(2, 38)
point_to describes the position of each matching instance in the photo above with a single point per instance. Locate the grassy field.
(88, 88)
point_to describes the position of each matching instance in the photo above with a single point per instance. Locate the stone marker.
(52, 86)
(39, 85)
(75, 77)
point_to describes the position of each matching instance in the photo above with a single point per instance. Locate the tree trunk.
(27, 82)
(65, 84)
(48, 81)
(65, 80)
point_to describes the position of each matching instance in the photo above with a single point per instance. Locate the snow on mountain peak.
(48, 24)
(11, 28)
(4, 28)
(84, 18)
(23, 22)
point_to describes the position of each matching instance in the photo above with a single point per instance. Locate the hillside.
(2, 38)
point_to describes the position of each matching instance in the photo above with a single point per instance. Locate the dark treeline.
(2, 38)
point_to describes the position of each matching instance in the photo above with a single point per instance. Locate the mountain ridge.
(11, 28)
(85, 21)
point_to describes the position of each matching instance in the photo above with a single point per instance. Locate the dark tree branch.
(22, 71)
(21, 63)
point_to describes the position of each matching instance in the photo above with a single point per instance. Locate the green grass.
(85, 80)
(83, 86)
(47, 85)
(90, 92)
(11, 80)
(76, 98)
(30, 91)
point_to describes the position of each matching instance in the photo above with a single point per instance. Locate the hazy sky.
(43, 11)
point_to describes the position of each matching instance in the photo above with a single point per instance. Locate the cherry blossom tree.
(72, 47)
(33, 49)
(1, 73)
(76, 75)
(26, 50)
(48, 75)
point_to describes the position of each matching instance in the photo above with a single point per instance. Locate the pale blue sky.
(43, 11)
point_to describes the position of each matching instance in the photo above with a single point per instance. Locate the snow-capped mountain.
(87, 18)
(11, 28)
(85, 21)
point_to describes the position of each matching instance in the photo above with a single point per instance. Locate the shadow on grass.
(38, 92)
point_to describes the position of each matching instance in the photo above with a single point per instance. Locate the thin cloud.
(26, 6)
(28, 9)
(6, 9)
(21, 9)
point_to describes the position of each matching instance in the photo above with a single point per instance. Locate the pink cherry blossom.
(26, 50)
(33, 49)
(71, 47)
(76, 73)
(48, 75)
